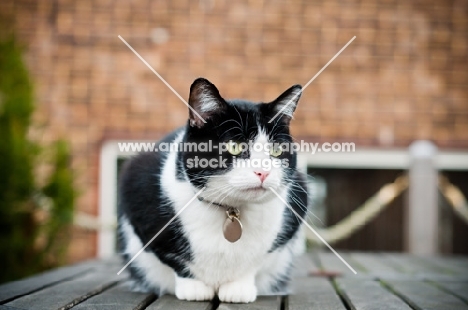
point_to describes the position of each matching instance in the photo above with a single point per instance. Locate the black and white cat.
(191, 258)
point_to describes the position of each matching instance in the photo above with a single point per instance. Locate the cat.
(191, 257)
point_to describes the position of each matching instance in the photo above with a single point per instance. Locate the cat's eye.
(234, 148)
(276, 150)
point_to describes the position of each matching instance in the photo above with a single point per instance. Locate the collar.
(212, 202)
(230, 211)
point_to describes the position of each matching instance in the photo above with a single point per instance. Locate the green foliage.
(34, 218)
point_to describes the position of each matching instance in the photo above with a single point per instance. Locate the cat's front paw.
(237, 292)
(193, 290)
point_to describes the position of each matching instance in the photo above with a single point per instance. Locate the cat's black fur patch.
(143, 203)
(297, 199)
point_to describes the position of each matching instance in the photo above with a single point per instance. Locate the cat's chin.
(254, 194)
(257, 190)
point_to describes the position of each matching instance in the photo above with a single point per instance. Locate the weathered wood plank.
(262, 303)
(368, 294)
(331, 263)
(117, 298)
(425, 296)
(171, 302)
(374, 263)
(22, 287)
(94, 285)
(413, 265)
(313, 293)
(67, 293)
(8, 308)
(451, 264)
(459, 289)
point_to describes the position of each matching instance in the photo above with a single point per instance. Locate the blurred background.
(402, 80)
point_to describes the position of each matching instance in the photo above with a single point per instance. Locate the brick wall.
(403, 78)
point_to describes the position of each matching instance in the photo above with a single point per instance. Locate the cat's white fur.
(208, 102)
(238, 271)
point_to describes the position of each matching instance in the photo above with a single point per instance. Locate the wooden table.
(321, 281)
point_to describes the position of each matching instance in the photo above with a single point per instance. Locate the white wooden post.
(422, 216)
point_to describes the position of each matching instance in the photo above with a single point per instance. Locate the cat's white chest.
(215, 259)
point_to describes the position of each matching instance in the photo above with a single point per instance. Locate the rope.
(455, 198)
(374, 205)
(364, 214)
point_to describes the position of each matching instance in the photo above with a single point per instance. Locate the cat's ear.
(285, 105)
(204, 101)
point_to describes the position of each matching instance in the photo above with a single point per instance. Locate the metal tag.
(232, 228)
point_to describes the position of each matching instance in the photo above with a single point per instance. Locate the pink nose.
(262, 175)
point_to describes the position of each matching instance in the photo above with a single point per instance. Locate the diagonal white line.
(165, 226)
(311, 80)
(313, 230)
(161, 78)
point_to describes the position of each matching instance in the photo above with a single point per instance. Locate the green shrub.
(34, 218)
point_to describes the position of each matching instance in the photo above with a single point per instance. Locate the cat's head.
(242, 148)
